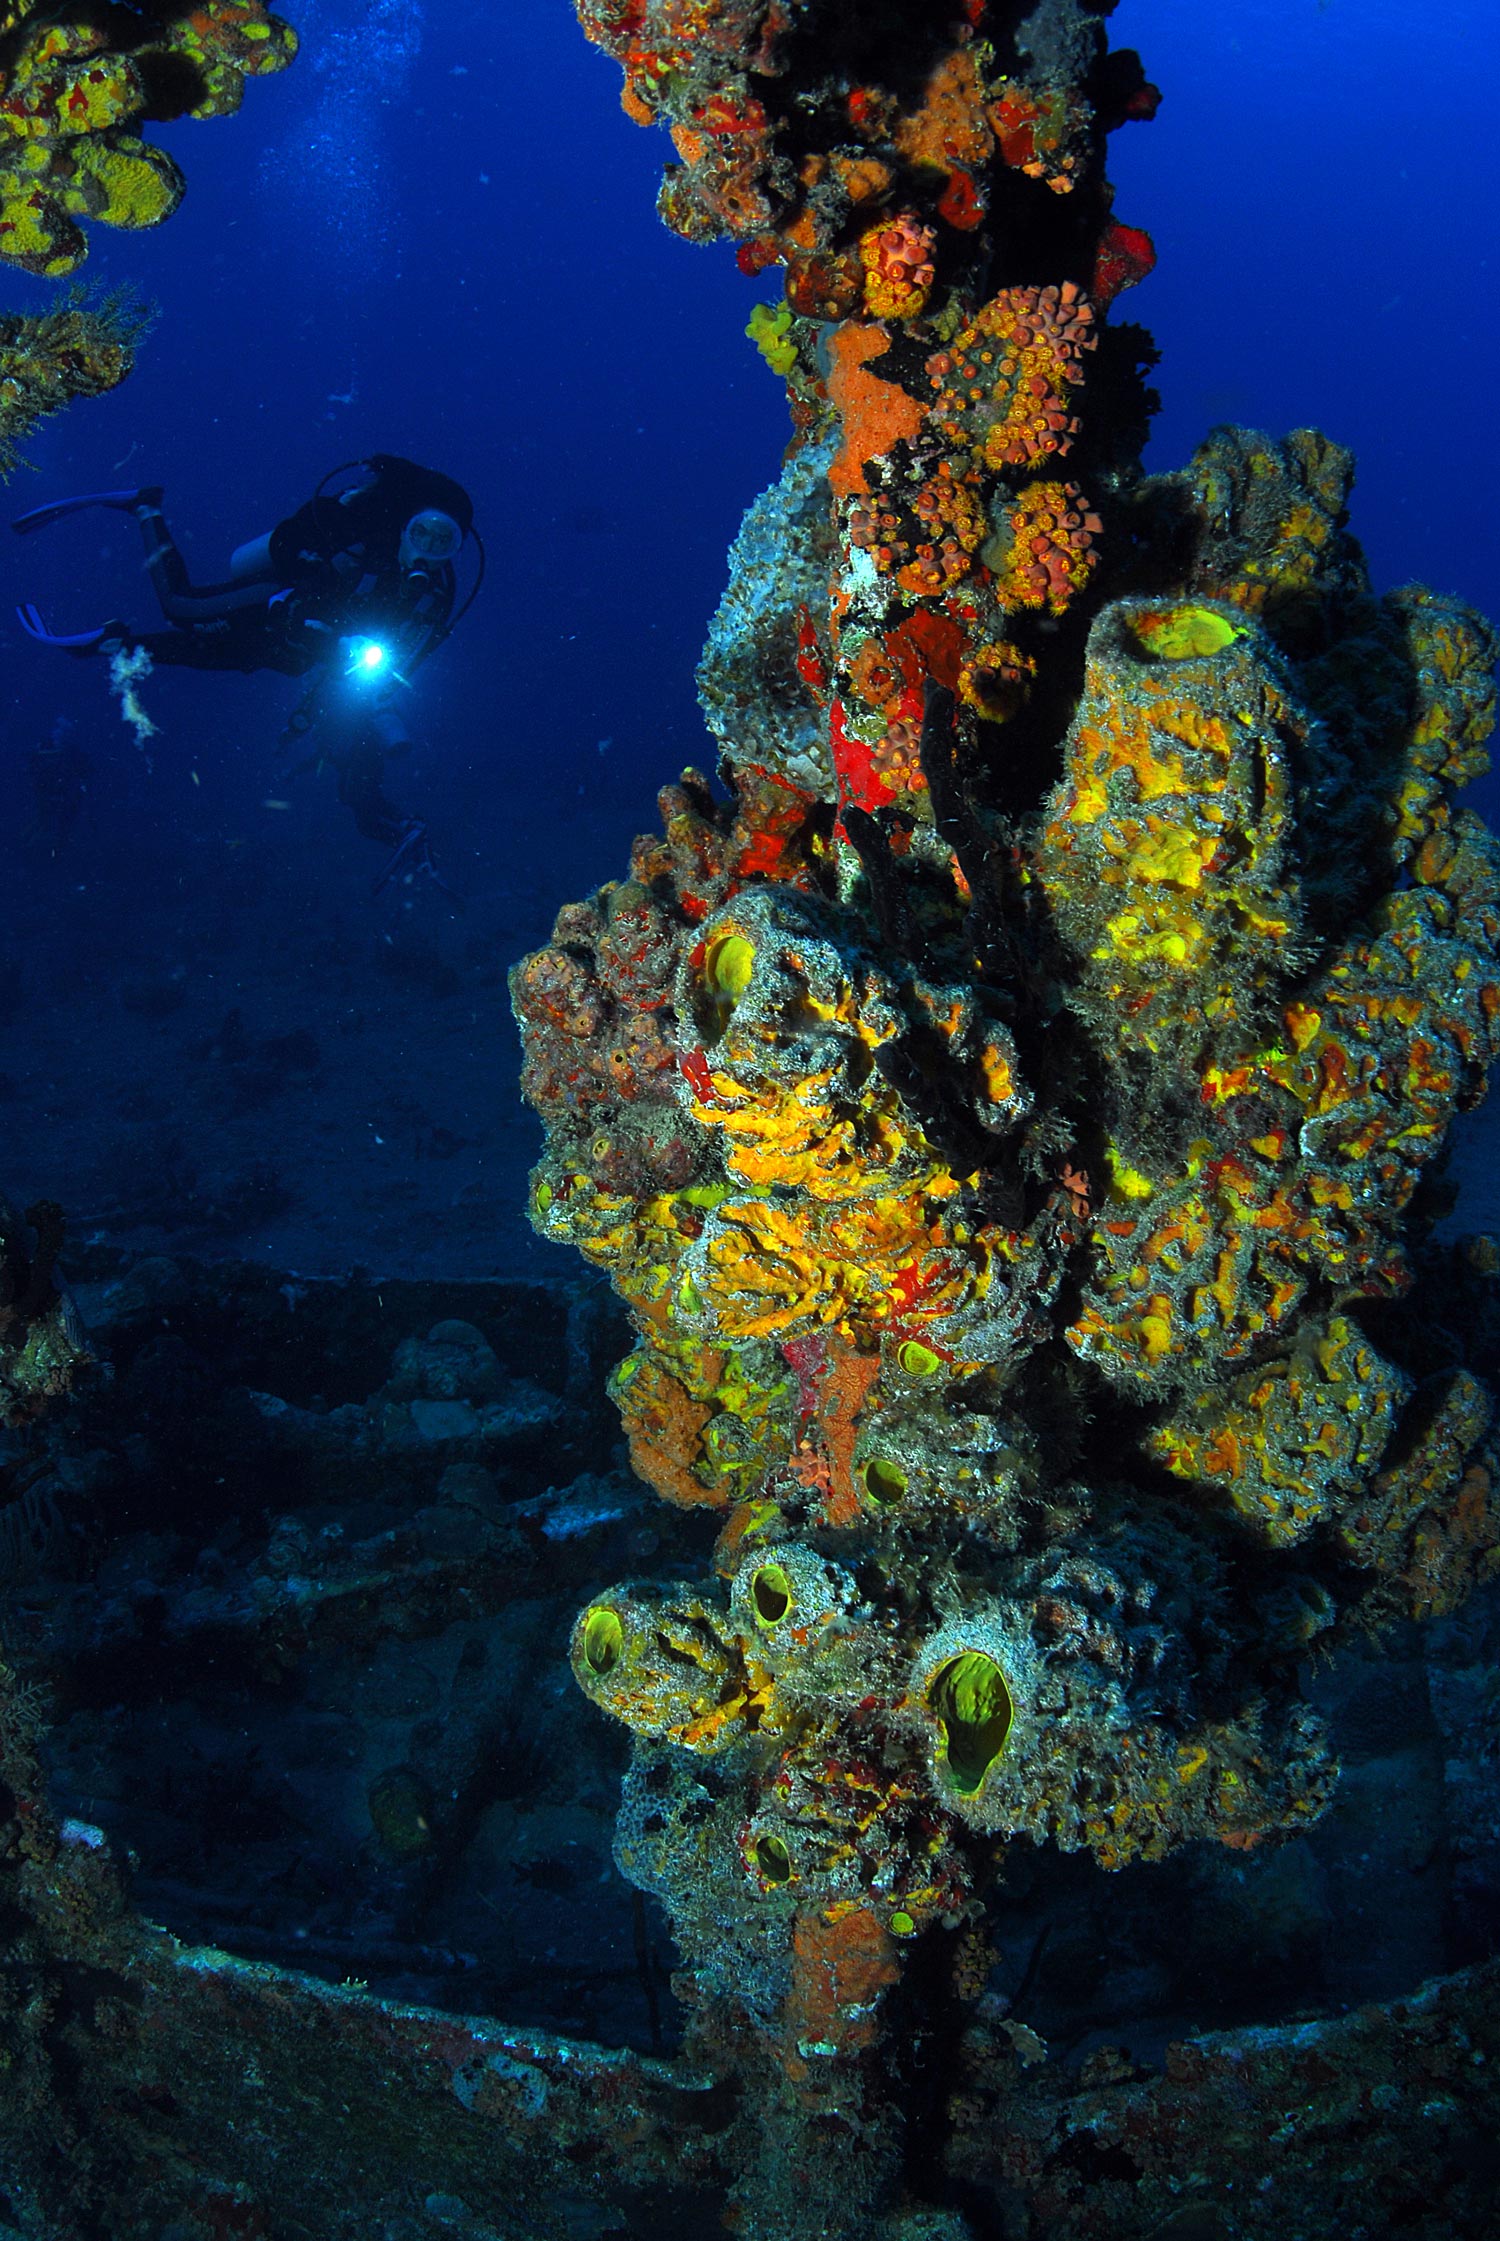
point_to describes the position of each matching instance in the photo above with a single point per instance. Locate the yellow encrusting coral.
(1287, 1444)
(73, 89)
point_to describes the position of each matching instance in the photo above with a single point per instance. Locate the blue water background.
(436, 235)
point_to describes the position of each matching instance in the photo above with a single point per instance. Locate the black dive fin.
(80, 642)
(42, 517)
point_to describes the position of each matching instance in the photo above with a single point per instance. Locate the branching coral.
(81, 347)
(1004, 1116)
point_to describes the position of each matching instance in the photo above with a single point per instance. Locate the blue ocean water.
(435, 235)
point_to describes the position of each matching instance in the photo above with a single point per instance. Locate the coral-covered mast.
(1001, 1118)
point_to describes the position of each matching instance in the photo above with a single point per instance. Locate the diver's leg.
(388, 727)
(164, 563)
(381, 733)
(191, 607)
(179, 649)
(230, 620)
(360, 761)
(362, 790)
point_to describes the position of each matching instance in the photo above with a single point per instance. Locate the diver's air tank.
(251, 562)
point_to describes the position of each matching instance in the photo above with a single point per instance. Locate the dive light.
(366, 659)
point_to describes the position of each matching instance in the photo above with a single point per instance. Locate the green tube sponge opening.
(771, 1594)
(773, 1859)
(603, 1640)
(884, 1480)
(728, 962)
(1184, 633)
(970, 1697)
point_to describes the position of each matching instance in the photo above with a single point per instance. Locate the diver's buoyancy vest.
(368, 518)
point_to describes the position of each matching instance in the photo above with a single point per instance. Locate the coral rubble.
(1006, 1118)
(76, 83)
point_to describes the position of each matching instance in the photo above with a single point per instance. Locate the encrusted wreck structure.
(1006, 1115)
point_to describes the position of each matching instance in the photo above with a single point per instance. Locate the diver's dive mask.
(430, 539)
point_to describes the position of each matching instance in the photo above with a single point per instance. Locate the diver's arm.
(422, 607)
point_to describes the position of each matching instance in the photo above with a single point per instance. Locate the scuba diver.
(353, 591)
